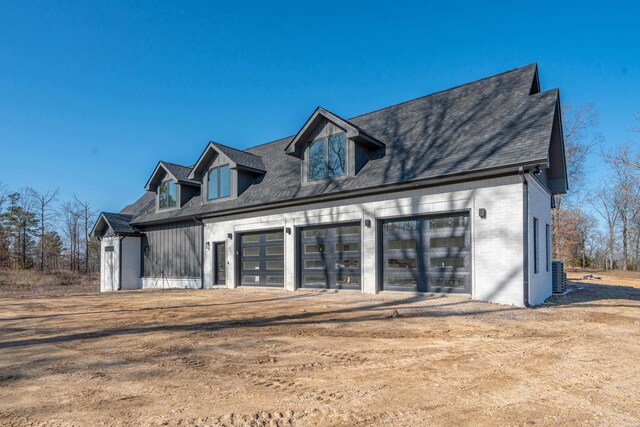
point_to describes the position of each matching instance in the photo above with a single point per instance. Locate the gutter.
(525, 238)
(429, 182)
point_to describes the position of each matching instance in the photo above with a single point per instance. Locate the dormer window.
(327, 157)
(167, 195)
(218, 183)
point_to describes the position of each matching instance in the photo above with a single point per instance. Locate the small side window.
(167, 195)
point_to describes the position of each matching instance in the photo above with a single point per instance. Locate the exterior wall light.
(288, 230)
(230, 236)
(208, 245)
(147, 250)
(367, 223)
(482, 212)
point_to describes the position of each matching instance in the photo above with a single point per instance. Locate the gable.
(322, 121)
(177, 173)
(221, 154)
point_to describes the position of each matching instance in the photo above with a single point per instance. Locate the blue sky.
(93, 94)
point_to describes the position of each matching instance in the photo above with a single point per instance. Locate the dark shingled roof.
(487, 124)
(241, 158)
(118, 222)
(180, 172)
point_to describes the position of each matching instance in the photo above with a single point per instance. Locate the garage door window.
(330, 257)
(262, 259)
(427, 254)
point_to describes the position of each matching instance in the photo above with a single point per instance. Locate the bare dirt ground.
(258, 357)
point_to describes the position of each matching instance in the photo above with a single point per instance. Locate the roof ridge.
(535, 64)
(445, 90)
(235, 149)
(174, 164)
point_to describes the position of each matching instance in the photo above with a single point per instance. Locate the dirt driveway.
(257, 357)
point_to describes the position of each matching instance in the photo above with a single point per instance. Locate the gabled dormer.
(224, 172)
(331, 148)
(172, 186)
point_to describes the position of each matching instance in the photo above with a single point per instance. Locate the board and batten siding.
(177, 247)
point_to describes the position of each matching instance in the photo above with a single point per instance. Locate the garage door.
(427, 254)
(330, 257)
(262, 259)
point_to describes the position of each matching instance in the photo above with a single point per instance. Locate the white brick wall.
(540, 286)
(497, 240)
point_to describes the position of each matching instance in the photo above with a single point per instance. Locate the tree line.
(38, 231)
(597, 224)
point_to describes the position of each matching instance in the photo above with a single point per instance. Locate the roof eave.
(425, 182)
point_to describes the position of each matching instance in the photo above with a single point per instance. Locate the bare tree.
(579, 143)
(45, 215)
(71, 220)
(87, 215)
(604, 203)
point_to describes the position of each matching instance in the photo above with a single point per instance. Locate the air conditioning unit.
(558, 277)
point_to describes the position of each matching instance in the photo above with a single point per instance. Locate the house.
(447, 193)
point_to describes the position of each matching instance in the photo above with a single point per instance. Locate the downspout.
(120, 262)
(202, 246)
(525, 237)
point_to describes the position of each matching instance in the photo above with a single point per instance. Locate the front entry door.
(219, 263)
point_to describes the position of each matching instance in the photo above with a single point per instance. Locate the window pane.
(402, 281)
(275, 265)
(318, 232)
(444, 262)
(317, 168)
(212, 184)
(447, 242)
(402, 244)
(167, 197)
(349, 280)
(275, 280)
(447, 282)
(163, 195)
(401, 226)
(275, 250)
(402, 262)
(313, 263)
(313, 248)
(225, 181)
(448, 222)
(250, 280)
(173, 194)
(337, 151)
(275, 236)
(347, 247)
(251, 251)
(353, 229)
(348, 263)
(249, 238)
(251, 265)
(314, 280)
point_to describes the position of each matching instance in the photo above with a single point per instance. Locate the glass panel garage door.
(427, 254)
(330, 257)
(262, 259)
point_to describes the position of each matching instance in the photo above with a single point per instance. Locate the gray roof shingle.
(241, 158)
(486, 124)
(119, 223)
